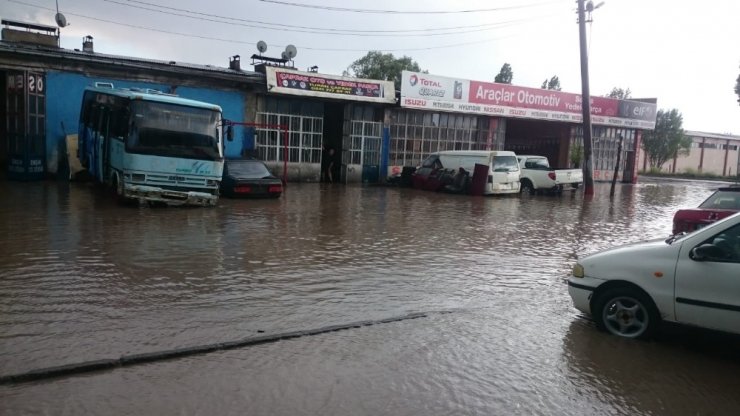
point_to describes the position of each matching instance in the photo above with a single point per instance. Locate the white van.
(503, 167)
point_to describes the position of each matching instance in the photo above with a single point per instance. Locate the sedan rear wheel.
(626, 312)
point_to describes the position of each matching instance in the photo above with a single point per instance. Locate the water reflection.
(656, 377)
(82, 278)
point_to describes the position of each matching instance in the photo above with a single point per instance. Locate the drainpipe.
(634, 156)
(727, 153)
(701, 154)
(638, 148)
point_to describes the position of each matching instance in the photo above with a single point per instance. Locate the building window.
(416, 134)
(365, 140)
(605, 145)
(305, 124)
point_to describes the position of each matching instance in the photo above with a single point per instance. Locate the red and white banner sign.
(449, 94)
(290, 81)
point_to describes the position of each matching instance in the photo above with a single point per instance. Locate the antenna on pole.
(261, 46)
(59, 18)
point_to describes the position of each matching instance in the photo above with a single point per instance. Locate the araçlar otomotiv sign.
(488, 98)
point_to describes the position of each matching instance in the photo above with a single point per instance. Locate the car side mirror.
(707, 252)
(230, 133)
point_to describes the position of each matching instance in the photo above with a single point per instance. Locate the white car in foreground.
(689, 279)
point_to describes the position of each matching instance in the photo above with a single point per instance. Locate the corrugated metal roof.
(701, 134)
(154, 64)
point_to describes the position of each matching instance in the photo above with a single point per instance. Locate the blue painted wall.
(64, 97)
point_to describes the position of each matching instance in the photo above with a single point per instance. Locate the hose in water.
(129, 360)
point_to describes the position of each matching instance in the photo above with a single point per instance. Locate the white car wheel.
(625, 312)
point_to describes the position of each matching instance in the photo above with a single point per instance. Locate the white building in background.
(710, 153)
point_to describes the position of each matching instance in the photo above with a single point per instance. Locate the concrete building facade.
(710, 153)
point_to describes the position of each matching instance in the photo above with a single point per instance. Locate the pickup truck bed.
(537, 175)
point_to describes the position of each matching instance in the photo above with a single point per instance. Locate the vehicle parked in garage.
(502, 176)
(249, 178)
(722, 203)
(538, 175)
(689, 279)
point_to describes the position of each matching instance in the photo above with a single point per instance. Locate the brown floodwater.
(83, 279)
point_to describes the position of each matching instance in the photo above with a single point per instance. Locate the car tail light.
(243, 189)
(551, 175)
(273, 189)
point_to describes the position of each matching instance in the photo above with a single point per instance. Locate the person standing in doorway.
(329, 166)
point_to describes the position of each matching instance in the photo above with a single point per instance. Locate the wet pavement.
(82, 279)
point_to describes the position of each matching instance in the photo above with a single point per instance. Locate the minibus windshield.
(174, 130)
(505, 164)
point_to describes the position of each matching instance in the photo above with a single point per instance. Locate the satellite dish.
(291, 51)
(61, 20)
(261, 46)
(285, 55)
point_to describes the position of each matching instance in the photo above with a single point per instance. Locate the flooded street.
(84, 279)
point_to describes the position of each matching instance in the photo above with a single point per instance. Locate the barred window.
(305, 123)
(365, 140)
(416, 134)
(605, 145)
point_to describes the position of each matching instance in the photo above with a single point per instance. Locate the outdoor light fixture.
(590, 6)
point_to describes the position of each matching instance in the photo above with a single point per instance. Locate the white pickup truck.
(537, 175)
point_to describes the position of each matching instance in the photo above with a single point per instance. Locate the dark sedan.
(249, 178)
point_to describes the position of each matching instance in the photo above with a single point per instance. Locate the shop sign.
(449, 94)
(36, 84)
(288, 81)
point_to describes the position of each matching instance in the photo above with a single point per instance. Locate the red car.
(722, 203)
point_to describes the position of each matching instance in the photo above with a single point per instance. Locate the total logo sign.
(413, 80)
(427, 87)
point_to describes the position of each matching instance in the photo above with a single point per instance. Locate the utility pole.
(616, 167)
(588, 178)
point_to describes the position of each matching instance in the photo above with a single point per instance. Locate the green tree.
(385, 66)
(667, 140)
(737, 89)
(505, 76)
(552, 84)
(620, 93)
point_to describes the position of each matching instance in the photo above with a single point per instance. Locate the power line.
(282, 25)
(345, 9)
(130, 25)
(173, 11)
(253, 42)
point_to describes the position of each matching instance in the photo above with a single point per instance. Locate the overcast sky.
(685, 53)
